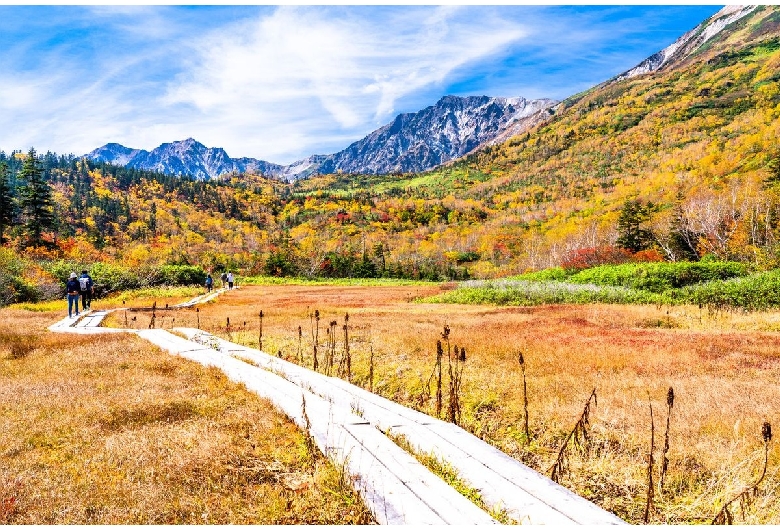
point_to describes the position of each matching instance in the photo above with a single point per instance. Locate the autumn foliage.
(680, 163)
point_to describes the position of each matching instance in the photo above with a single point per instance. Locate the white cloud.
(306, 68)
(283, 83)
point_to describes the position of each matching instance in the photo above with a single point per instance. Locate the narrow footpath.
(353, 428)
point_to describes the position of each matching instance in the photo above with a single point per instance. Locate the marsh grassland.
(724, 370)
(108, 429)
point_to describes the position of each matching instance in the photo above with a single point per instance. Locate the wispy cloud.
(342, 71)
(280, 83)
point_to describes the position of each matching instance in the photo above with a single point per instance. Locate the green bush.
(182, 275)
(753, 293)
(14, 289)
(116, 278)
(716, 285)
(659, 277)
(61, 269)
(109, 277)
(14, 286)
(552, 274)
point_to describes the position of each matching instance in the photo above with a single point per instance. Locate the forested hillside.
(695, 144)
(673, 165)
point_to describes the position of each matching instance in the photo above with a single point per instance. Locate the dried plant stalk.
(308, 440)
(346, 347)
(347, 357)
(650, 462)
(745, 497)
(437, 373)
(330, 347)
(260, 335)
(579, 438)
(521, 360)
(456, 372)
(300, 345)
(315, 334)
(371, 369)
(665, 458)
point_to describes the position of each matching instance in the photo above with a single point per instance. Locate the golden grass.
(110, 430)
(724, 370)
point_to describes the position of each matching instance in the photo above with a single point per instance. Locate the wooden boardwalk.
(351, 427)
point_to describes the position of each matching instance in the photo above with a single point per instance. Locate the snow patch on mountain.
(412, 142)
(689, 42)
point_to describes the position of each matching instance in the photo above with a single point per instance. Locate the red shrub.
(584, 258)
(647, 256)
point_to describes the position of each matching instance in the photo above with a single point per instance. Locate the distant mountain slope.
(418, 141)
(689, 43)
(412, 142)
(187, 157)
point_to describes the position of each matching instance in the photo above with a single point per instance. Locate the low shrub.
(116, 278)
(583, 258)
(182, 275)
(754, 293)
(20, 280)
(551, 274)
(716, 285)
(659, 277)
(525, 293)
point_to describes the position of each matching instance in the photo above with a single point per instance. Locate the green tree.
(774, 170)
(7, 207)
(364, 268)
(682, 239)
(35, 201)
(631, 234)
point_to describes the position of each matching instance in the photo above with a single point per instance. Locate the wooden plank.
(398, 489)
(503, 482)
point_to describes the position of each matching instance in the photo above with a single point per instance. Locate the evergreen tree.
(682, 240)
(7, 207)
(631, 235)
(774, 170)
(35, 201)
(153, 219)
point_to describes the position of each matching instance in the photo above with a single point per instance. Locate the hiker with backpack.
(223, 277)
(86, 288)
(72, 288)
(209, 283)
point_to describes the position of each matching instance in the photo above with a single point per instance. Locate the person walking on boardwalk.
(223, 277)
(86, 288)
(73, 288)
(230, 280)
(209, 283)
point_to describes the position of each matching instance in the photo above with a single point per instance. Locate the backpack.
(84, 284)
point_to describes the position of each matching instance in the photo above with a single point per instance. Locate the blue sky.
(280, 83)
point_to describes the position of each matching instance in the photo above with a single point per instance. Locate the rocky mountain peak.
(414, 141)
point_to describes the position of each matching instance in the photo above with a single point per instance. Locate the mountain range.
(451, 128)
(412, 142)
